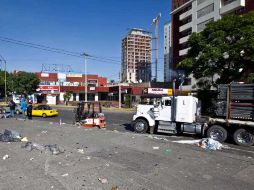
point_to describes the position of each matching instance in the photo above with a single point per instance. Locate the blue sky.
(92, 26)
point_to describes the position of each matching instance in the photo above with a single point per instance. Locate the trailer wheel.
(140, 126)
(217, 132)
(243, 137)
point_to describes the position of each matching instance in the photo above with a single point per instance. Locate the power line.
(57, 50)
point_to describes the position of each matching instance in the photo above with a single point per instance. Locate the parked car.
(44, 111)
(17, 109)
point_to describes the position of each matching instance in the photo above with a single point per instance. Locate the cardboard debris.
(24, 139)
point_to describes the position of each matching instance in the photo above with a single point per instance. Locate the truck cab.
(172, 115)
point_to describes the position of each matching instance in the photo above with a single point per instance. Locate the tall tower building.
(168, 63)
(136, 56)
(190, 16)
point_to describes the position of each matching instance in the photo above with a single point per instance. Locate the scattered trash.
(65, 175)
(10, 136)
(158, 138)
(205, 143)
(156, 147)
(115, 130)
(114, 188)
(133, 137)
(210, 144)
(24, 139)
(188, 141)
(88, 158)
(81, 151)
(107, 164)
(168, 151)
(103, 180)
(52, 187)
(6, 156)
(54, 149)
(44, 132)
(21, 119)
(31, 159)
(51, 123)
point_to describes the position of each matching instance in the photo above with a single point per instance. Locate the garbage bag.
(54, 149)
(10, 136)
(210, 144)
(29, 146)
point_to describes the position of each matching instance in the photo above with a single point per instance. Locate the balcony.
(185, 14)
(183, 51)
(185, 27)
(184, 39)
(231, 6)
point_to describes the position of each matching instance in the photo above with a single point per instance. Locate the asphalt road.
(127, 160)
(115, 119)
(121, 121)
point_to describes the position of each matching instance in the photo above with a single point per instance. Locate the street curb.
(114, 109)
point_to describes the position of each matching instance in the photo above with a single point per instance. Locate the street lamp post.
(85, 55)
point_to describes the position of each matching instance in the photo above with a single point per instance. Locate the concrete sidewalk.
(126, 160)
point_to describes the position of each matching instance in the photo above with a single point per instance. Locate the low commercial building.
(53, 86)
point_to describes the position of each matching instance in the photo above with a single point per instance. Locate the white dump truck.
(182, 114)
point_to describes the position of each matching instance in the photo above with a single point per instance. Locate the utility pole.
(85, 55)
(5, 82)
(120, 93)
(155, 22)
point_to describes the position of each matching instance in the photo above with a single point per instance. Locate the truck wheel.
(217, 132)
(140, 126)
(243, 137)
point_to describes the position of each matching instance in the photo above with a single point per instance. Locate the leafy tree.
(67, 97)
(2, 83)
(223, 52)
(127, 101)
(23, 82)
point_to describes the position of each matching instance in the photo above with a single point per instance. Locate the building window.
(200, 1)
(206, 10)
(201, 26)
(226, 2)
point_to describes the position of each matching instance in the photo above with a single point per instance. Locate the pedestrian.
(29, 110)
(23, 107)
(12, 106)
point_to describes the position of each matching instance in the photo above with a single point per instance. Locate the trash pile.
(205, 143)
(13, 136)
(10, 136)
(53, 149)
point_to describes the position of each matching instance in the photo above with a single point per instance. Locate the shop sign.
(92, 88)
(162, 91)
(49, 88)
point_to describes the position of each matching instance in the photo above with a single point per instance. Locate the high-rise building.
(168, 63)
(189, 16)
(136, 55)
